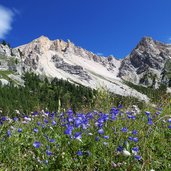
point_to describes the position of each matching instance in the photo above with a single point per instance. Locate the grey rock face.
(166, 73)
(5, 50)
(71, 69)
(145, 63)
(8, 60)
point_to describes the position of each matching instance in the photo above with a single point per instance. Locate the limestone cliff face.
(63, 56)
(146, 62)
(31, 53)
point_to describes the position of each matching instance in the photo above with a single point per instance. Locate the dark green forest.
(60, 95)
(40, 94)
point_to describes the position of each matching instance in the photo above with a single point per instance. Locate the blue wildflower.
(45, 121)
(120, 106)
(49, 153)
(38, 123)
(4, 118)
(68, 131)
(8, 133)
(36, 144)
(129, 116)
(113, 117)
(150, 122)
(77, 122)
(53, 122)
(97, 139)
(15, 119)
(19, 130)
(105, 117)
(101, 131)
(134, 132)
(70, 119)
(70, 112)
(136, 149)
(77, 135)
(158, 113)
(137, 157)
(133, 117)
(124, 129)
(36, 130)
(100, 120)
(120, 148)
(130, 138)
(147, 113)
(79, 153)
(106, 137)
(84, 126)
(114, 111)
(169, 120)
(135, 139)
(51, 140)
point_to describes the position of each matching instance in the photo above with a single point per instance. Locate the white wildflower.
(126, 153)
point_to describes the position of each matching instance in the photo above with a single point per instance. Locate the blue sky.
(101, 26)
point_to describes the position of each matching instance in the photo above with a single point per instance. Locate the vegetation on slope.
(156, 95)
(56, 95)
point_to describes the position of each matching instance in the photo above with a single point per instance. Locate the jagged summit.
(146, 62)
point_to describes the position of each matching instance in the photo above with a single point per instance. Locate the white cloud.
(6, 18)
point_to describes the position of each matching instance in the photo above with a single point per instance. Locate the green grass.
(18, 153)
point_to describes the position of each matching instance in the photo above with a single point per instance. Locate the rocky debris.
(166, 73)
(16, 53)
(71, 69)
(3, 64)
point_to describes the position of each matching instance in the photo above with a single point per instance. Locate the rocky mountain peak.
(150, 46)
(146, 62)
(42, 39)
(147, 44)
(146, 40)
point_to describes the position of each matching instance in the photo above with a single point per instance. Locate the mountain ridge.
(64, 60)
